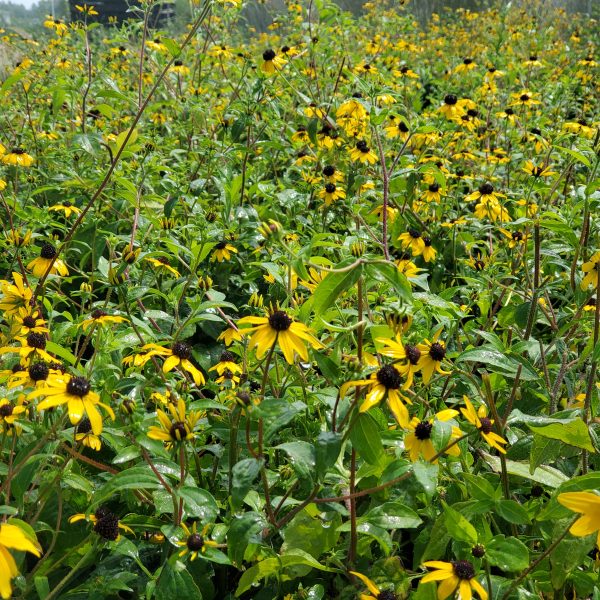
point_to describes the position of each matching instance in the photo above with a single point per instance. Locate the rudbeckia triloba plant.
(300, 304)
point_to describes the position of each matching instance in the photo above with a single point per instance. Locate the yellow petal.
(479, 589)
(465, 590)
(171, 363)
(447, 587)
(370, 585)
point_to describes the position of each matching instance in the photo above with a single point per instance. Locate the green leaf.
(310, 532)
(332, 286)
(389, 272)
(458, 527)
(172, 46)
(243, 531)
(243, 475)
(574, 433)
(60, 351)
(199, 504)
(498, 362)
(277, 413)
(136, 478)
(512, 511)
(42, 587)
(176, 584)
(543, 450)
(328, 446)
(578, 156)
(508, 554)
(302, 457)
(366, 439)
(544, 475)
(393, 515)
(426, 474)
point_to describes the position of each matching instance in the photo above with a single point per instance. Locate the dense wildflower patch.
(302, 313)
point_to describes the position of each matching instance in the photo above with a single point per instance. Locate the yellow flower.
(227, 369)
(588, 505)
(591, 269)
(222, 251)
(454, 575)
(377, 593)
(162, 265)
(17, 157)
(32, 345)
(412, 240)
(106, 523)
(179, 356)
(452, 108)
(362, 153)
(384, 383)
(536, 171)
(84, 435)
(27, 320)
(432, 355)
(47, 260)
(278, 327)
(88, 10)
(9, 413)
(484, 424)
(179, 68)
(524, 98)
(271, 62)
(330, 193)
(429, 252)
(179, 427)
(13, 537)
(99, 317)
(194, 542)
(76, 393)
(230, 335)
(418, 441)
(67, 208)
(397, 128)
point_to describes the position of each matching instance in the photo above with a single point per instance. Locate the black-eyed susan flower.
(279, 328)
(179, 68)
(331, 192)
(272, 62)
(433, 193)
(194, 542)
(331, 174)
(517, 237)
(376, 593)
(33, 345)
(384, 383)
(9, 413)
(456, 575)
(418, 441)
(467, 64)
(34, 376)
(12, 537)
(17, 157)
(362, 153)
(484, 424)
(591, 269)
(76, 392)
(537, 170)
(485, 193)
(412, 240)
(587, 504)
(227, 369)
(175, 427)
(451, 108)
(230, 335)
(179, 356)
(407, 267)
(106, 523)
(84, 435)
(222, 251)
(397, 128)
(433, 354)
(16, 237)
(162, 265)
(28, 320)
(524, 98)
(48, 260)
(86, 9)
(429, 252)
(98, 317)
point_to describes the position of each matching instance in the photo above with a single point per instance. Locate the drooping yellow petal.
(479, 589)
(94, 416)
(14, 537)
(8, 570)
(447, 587)
(76, 409)
(171, 363)
(580, 502)
(465, 590)
(370, 585)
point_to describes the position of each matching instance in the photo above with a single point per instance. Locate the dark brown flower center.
(467, 61)
(330, 188)
(387, 595)
(486, 189)
(434, 187)
(6, 410)
(227, 356)
(181, 350)
(221, 245)
(389, 377)
(36, 340)
(437, 351)
(268, 54)
(84, 426)
(414, 234)
(478, 551)
(463, 569)
(362, 146)
(486, 425)
(524, 97)
(195, 542)
(412, 353)
(279, 320)
(39, 371)
(98, 313)
(450, 99)
(517, 236)
(328, 170)
(48, 251)
(178, 431)
(423, 430)
(108, 527)
(78, 386)
(29, 321)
